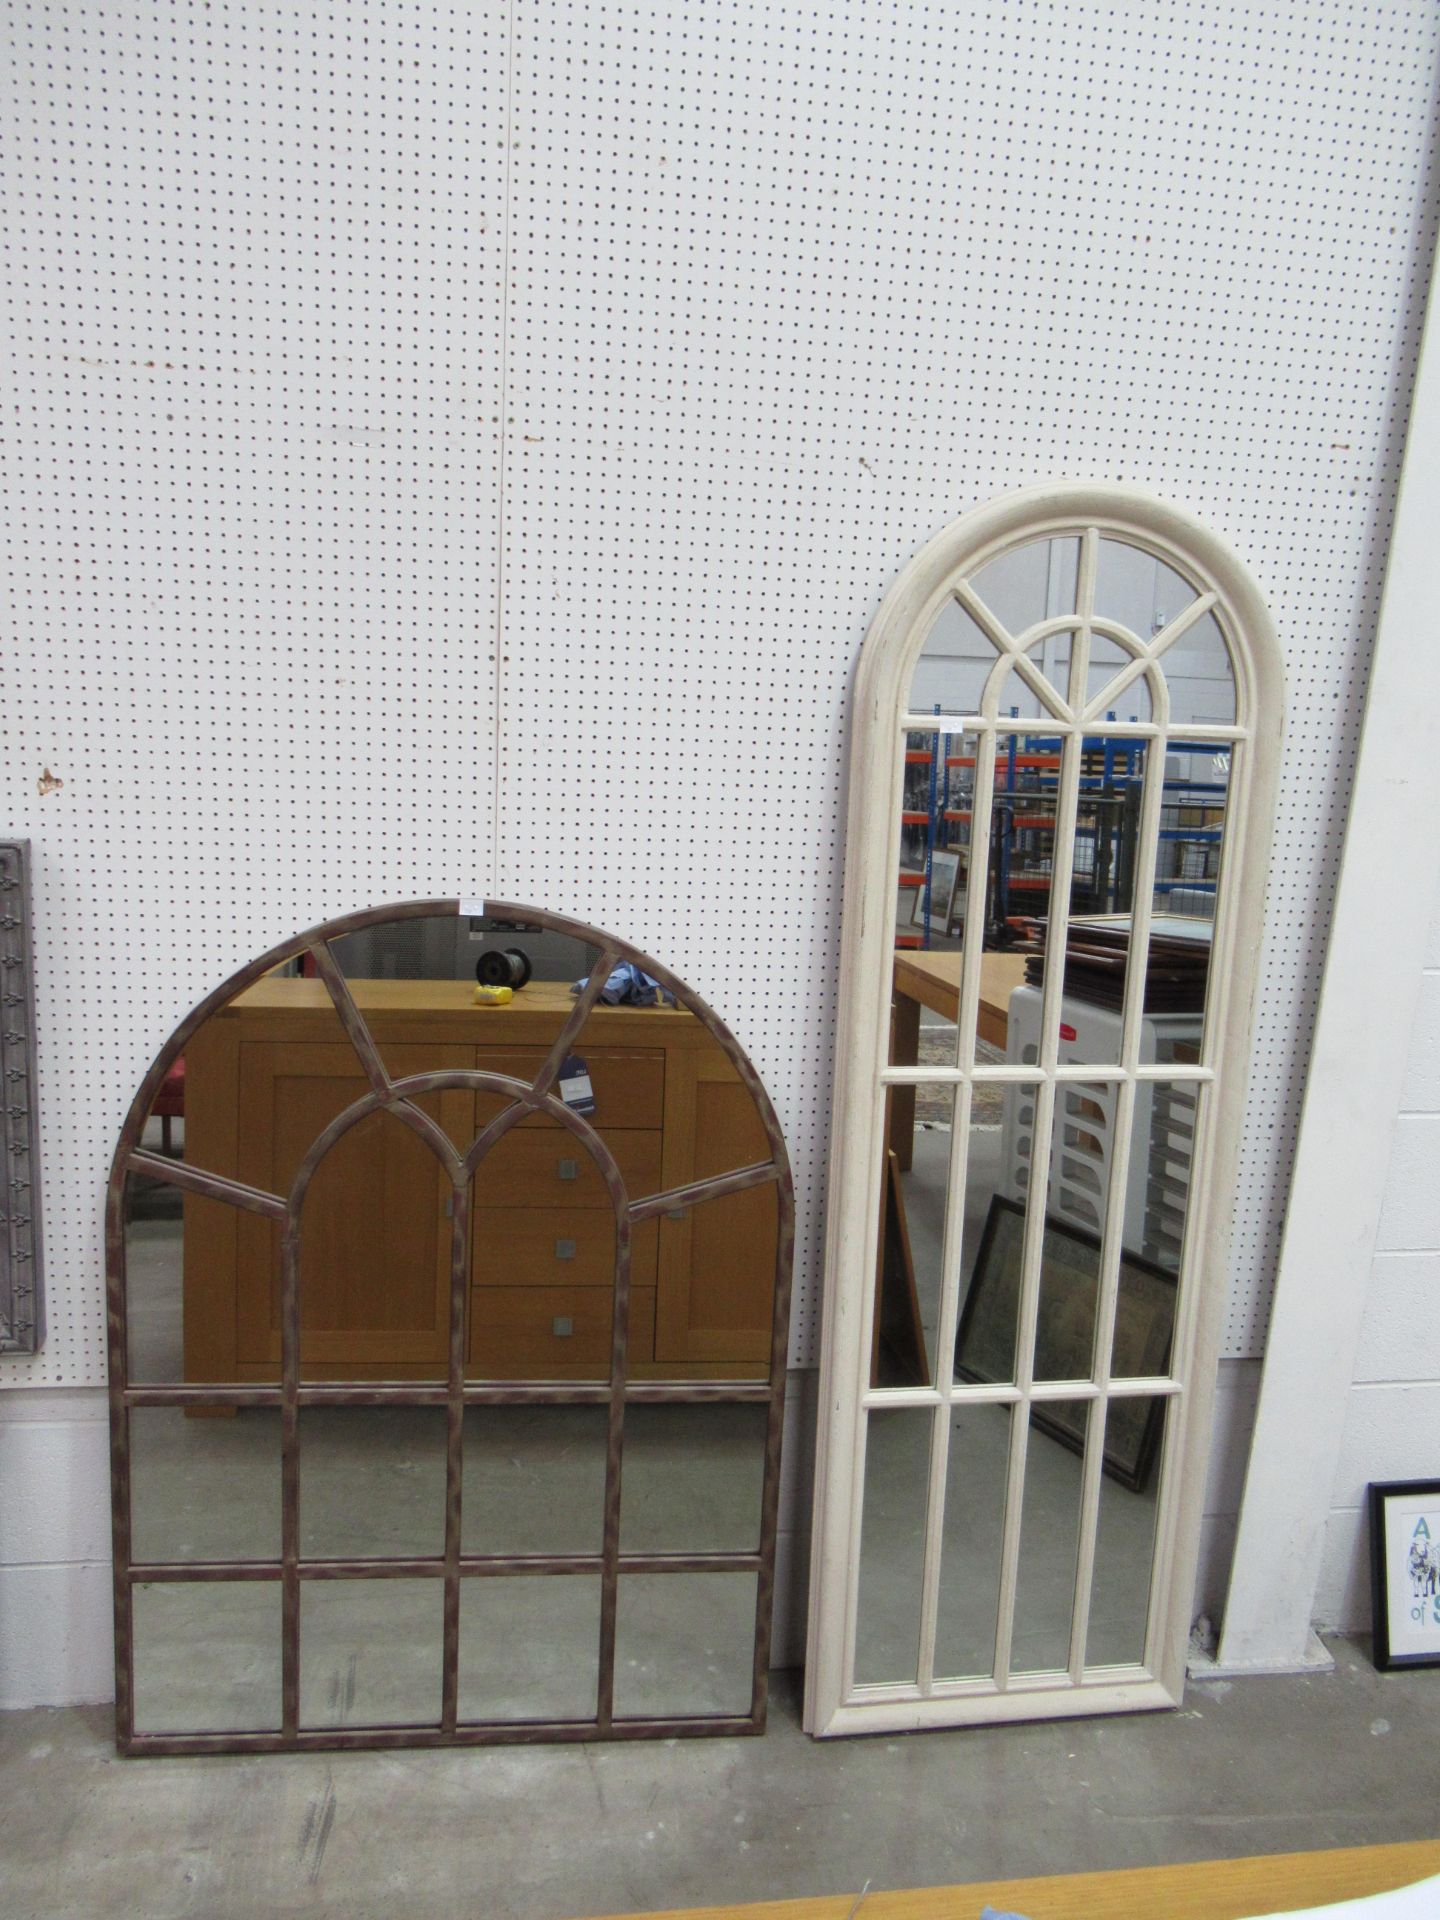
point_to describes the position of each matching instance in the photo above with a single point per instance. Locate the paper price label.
(575, 1088)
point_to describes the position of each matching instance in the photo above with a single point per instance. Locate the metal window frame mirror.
(1067, 690)
(22, 1285)
(299, 1569)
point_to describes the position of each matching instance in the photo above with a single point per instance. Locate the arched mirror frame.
(1087, 513)
(460, 1389)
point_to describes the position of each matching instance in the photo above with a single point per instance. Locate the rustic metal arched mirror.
(1062, 787)
(447, 1349)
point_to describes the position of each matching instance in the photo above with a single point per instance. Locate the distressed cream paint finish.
(1089, 513)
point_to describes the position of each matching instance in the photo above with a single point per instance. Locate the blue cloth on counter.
(630, 986)
(999, 1913)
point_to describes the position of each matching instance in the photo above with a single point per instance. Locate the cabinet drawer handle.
(564, 1249)
(568, 1169)
(675, 1213)
(562, 1326)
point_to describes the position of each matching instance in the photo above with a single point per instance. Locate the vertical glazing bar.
(1109, 1278)
(454, 1450)
(1024, 1378)
(976, 902)
(1122, 1135)
(967, 1017)
(1057, 927)
(1056, 936)
(1182, 1343)
(934, 1543)
(774, 1435)
(614, 1459)
(1084, 614)
(116, 1311)
(290, 1477)
(952, 1259)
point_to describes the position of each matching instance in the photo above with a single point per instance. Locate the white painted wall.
(55, 1620)
(1392, 1415)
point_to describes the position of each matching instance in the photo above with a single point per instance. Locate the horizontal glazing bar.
(999, 1395)
(1056, 1679)
(476, 1733)
(477, 1393)
(475, 1566)
(1029, 1076)
(1049, 727)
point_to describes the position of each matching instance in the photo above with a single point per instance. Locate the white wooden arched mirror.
(1066, 732)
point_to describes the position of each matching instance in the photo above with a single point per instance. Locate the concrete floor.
(1260, 1766)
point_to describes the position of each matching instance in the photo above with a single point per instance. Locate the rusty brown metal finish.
(774, 1439)
(395, 1101)
(614, 1449)
(175, 1173)
(697, 1192)
(455, 1452)
(290, 1471)
(356, 1031)
(478, 1393)
(291, 1571)
(585, 1001)
(469, 1733)
(481, 1566)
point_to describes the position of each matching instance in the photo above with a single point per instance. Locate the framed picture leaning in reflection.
(1065, 1332)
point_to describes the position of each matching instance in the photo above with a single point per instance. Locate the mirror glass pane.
(1021, 850)
(915, 1182)
(1199, 676)
(892, 1543)
(1125, 1532)
(1156, 1201)
(450, 946)
(1108, 660)
(372, 1483)
(375, 1241)
(1192, 832)
(370, 1652)
(932, 883)
(192, 1116)
(542, 1296)
(204, 1485)
(989, 1322)
(207, 1656)
(1032, 582)
(534, 1480)
(954, 664)
(692, 1479)
(1137, 589)
(1070, 1250)
(180, 1315)
(684, 1643)
(1049, 1537)
(968, 1606)
(529, 1647)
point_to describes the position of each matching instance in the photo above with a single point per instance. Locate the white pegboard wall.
(670, 332)
(791, 286)
(249, 474)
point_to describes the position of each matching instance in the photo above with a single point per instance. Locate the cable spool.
(503, 967)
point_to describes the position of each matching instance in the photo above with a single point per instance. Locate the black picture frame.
(1144, 1332)
(1395, 1506)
